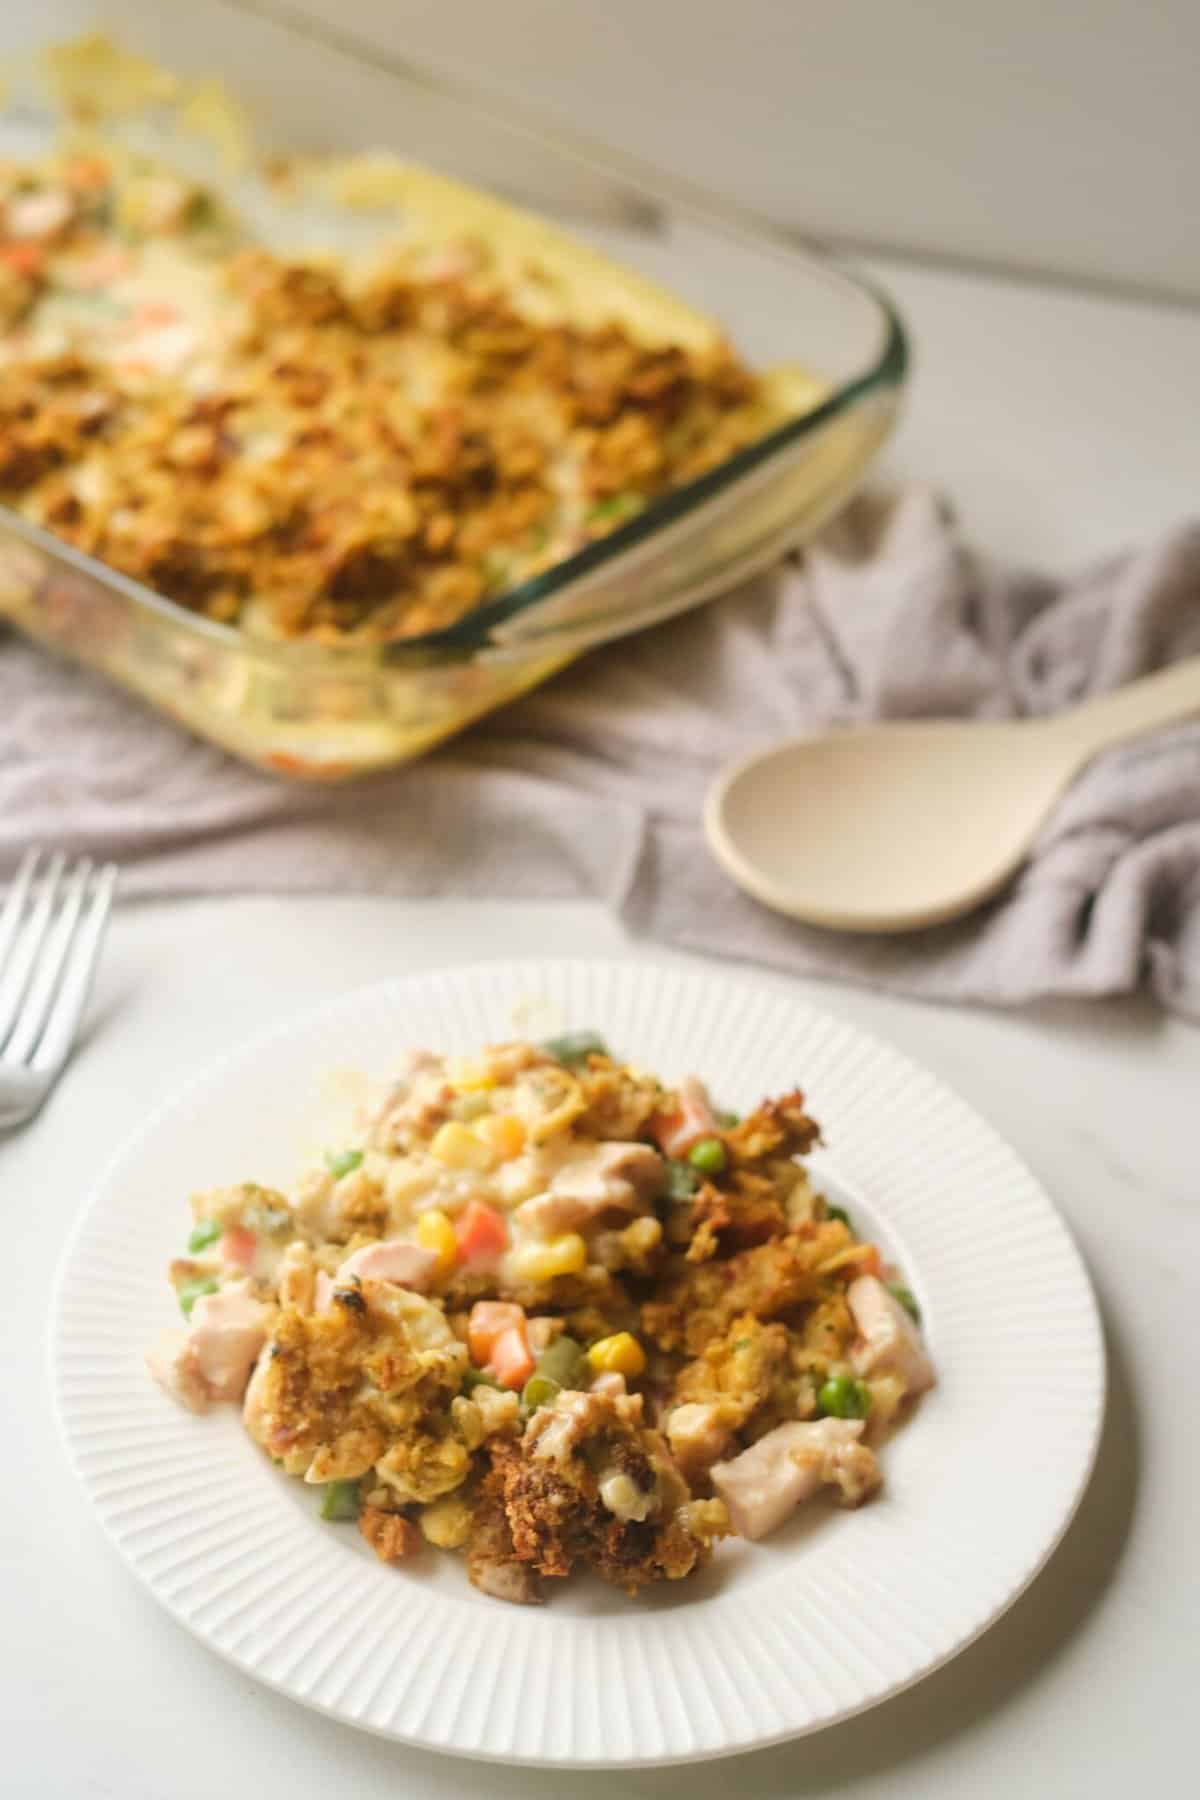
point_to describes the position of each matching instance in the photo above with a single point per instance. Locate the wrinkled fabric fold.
(593, 785)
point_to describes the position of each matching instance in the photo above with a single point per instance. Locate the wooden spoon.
(894, 827)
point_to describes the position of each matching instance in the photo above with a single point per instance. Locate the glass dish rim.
(473, 631)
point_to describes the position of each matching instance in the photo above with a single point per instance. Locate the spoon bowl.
(897, 827)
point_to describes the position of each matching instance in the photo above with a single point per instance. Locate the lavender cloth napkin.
(593, 785)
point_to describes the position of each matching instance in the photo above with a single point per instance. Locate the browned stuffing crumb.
(332, 455)
(391, 1536)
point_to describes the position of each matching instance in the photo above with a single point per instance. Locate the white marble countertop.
(1062, 425)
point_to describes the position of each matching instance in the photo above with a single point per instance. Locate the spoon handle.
(1161, 699)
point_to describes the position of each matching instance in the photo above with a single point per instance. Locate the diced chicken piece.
(393, 1259)
(608, 1182)
(541, 1332)
(766, 1483)
(418, 1099)
(616, 1172)
(556, 1431)
(611, 1382)
(228, 1330)
(698, 1435)
(694, 1120)
(211, 1361)
(40, 216)
(889, 1343)
(170, 1362)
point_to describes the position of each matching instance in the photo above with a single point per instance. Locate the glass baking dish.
(323, 713)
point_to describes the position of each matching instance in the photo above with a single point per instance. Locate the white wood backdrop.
(1061, 136)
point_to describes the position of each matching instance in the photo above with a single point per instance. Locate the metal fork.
(51, 927)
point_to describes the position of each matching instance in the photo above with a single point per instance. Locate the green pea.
(340, 1501)
(708, 1156)
(342, 1162)
(539, 1390)
(563, 1362)
(839, 1213)
(842, 1397)
(682, 1180)
(474, 1378)
(191, 1291)
(907, 1300)
(574, 1047)
(204, 1233)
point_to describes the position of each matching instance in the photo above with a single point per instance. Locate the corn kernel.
(620, 1354)
(566, 1255)
(469, 1074)
(459, 1147)
(504, 1132)
(642, 1237)
(436, 1232)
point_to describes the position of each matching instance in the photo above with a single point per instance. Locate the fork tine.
(14, 901)
(63, 1022)
(44, 981)
(28, 944)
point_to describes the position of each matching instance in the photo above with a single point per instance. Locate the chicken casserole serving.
(338, 445)
(551, 1313)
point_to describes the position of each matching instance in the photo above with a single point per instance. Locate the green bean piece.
(840, 1214)
(342, 1162)
(339, 1502)
(574, 1047)
(194, 1290)
(708, 1156)
(563, 1361)
(843, 1397)
(204, 1233)
(907, 1299)
(539, 1390)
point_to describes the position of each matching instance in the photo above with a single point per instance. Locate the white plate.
(833, 1614)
